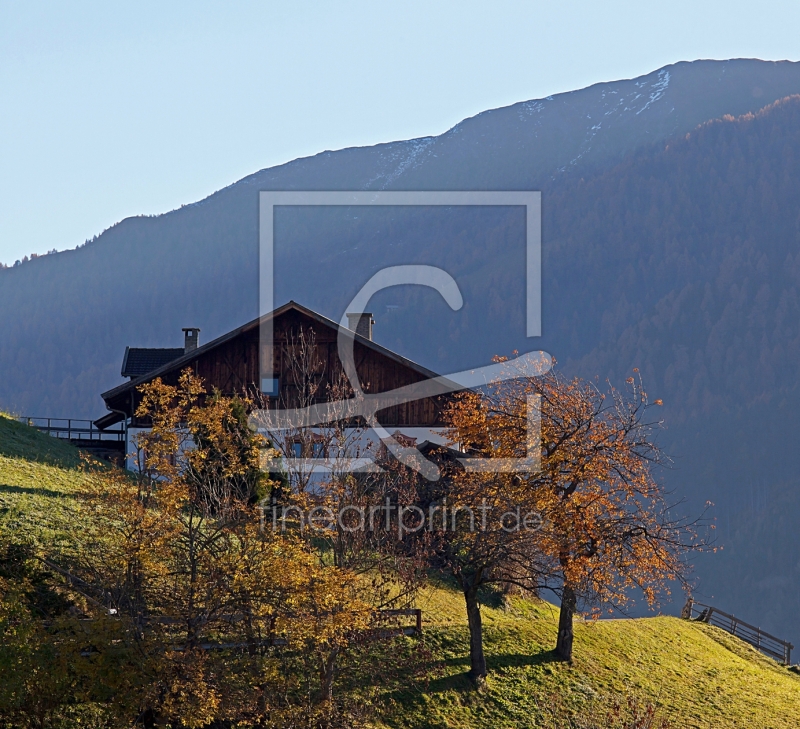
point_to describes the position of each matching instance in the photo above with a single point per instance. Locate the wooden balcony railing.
(74, 430)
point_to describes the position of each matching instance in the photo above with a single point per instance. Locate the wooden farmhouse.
(230, 364)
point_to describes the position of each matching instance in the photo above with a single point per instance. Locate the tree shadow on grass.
(6, 489)
(461, 683)
(515, 660)
(509, 660)
(414, 699)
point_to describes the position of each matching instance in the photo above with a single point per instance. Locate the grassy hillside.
(696, 675)
(38, 475)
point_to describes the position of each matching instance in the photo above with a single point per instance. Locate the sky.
(111, 109)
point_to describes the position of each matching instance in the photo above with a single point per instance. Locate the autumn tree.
(219, 473)
(181, 609)
(487, 522)
(41, 672)
(607, 528)
(201, 440)
(334, 473)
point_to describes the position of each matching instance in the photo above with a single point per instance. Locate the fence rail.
(379, 631)
(776, 648)
(74, 430)
(416, 613)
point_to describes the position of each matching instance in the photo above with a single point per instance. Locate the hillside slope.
(695, 675)
(38, 478)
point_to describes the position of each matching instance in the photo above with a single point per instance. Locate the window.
(270, 386)
(307, 447)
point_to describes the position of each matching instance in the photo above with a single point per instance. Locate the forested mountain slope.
(689, 261)
(66, 318)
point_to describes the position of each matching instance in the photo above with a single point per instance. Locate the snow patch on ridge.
(402, 157)
(613, 105)
(659, 88)
(529, 108)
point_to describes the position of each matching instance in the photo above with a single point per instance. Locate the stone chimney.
(191, 338)
(361, 324)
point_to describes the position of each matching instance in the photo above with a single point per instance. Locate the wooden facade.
(231, 365)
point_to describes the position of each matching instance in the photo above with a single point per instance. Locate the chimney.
(361, 324)
(191, 338)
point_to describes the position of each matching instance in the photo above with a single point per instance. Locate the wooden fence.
(392, 616)
(387, 623)
(776, 648)
(380, 632)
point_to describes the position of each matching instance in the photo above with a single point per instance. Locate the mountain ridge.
(657, 81)
(226, 221)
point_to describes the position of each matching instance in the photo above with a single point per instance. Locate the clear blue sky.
(111, 109)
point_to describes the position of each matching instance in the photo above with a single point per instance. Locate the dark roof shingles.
(139, 361)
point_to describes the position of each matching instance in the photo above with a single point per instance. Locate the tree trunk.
(326, 674)
(477, 660)
(565, 633)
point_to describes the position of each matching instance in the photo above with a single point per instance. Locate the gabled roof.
(140, 361)
(186, 359)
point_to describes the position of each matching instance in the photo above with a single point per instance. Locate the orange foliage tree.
(607, 529)
(195, 613)
(485, 525)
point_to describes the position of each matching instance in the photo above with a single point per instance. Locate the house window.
(308, 447)
(270, 386)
